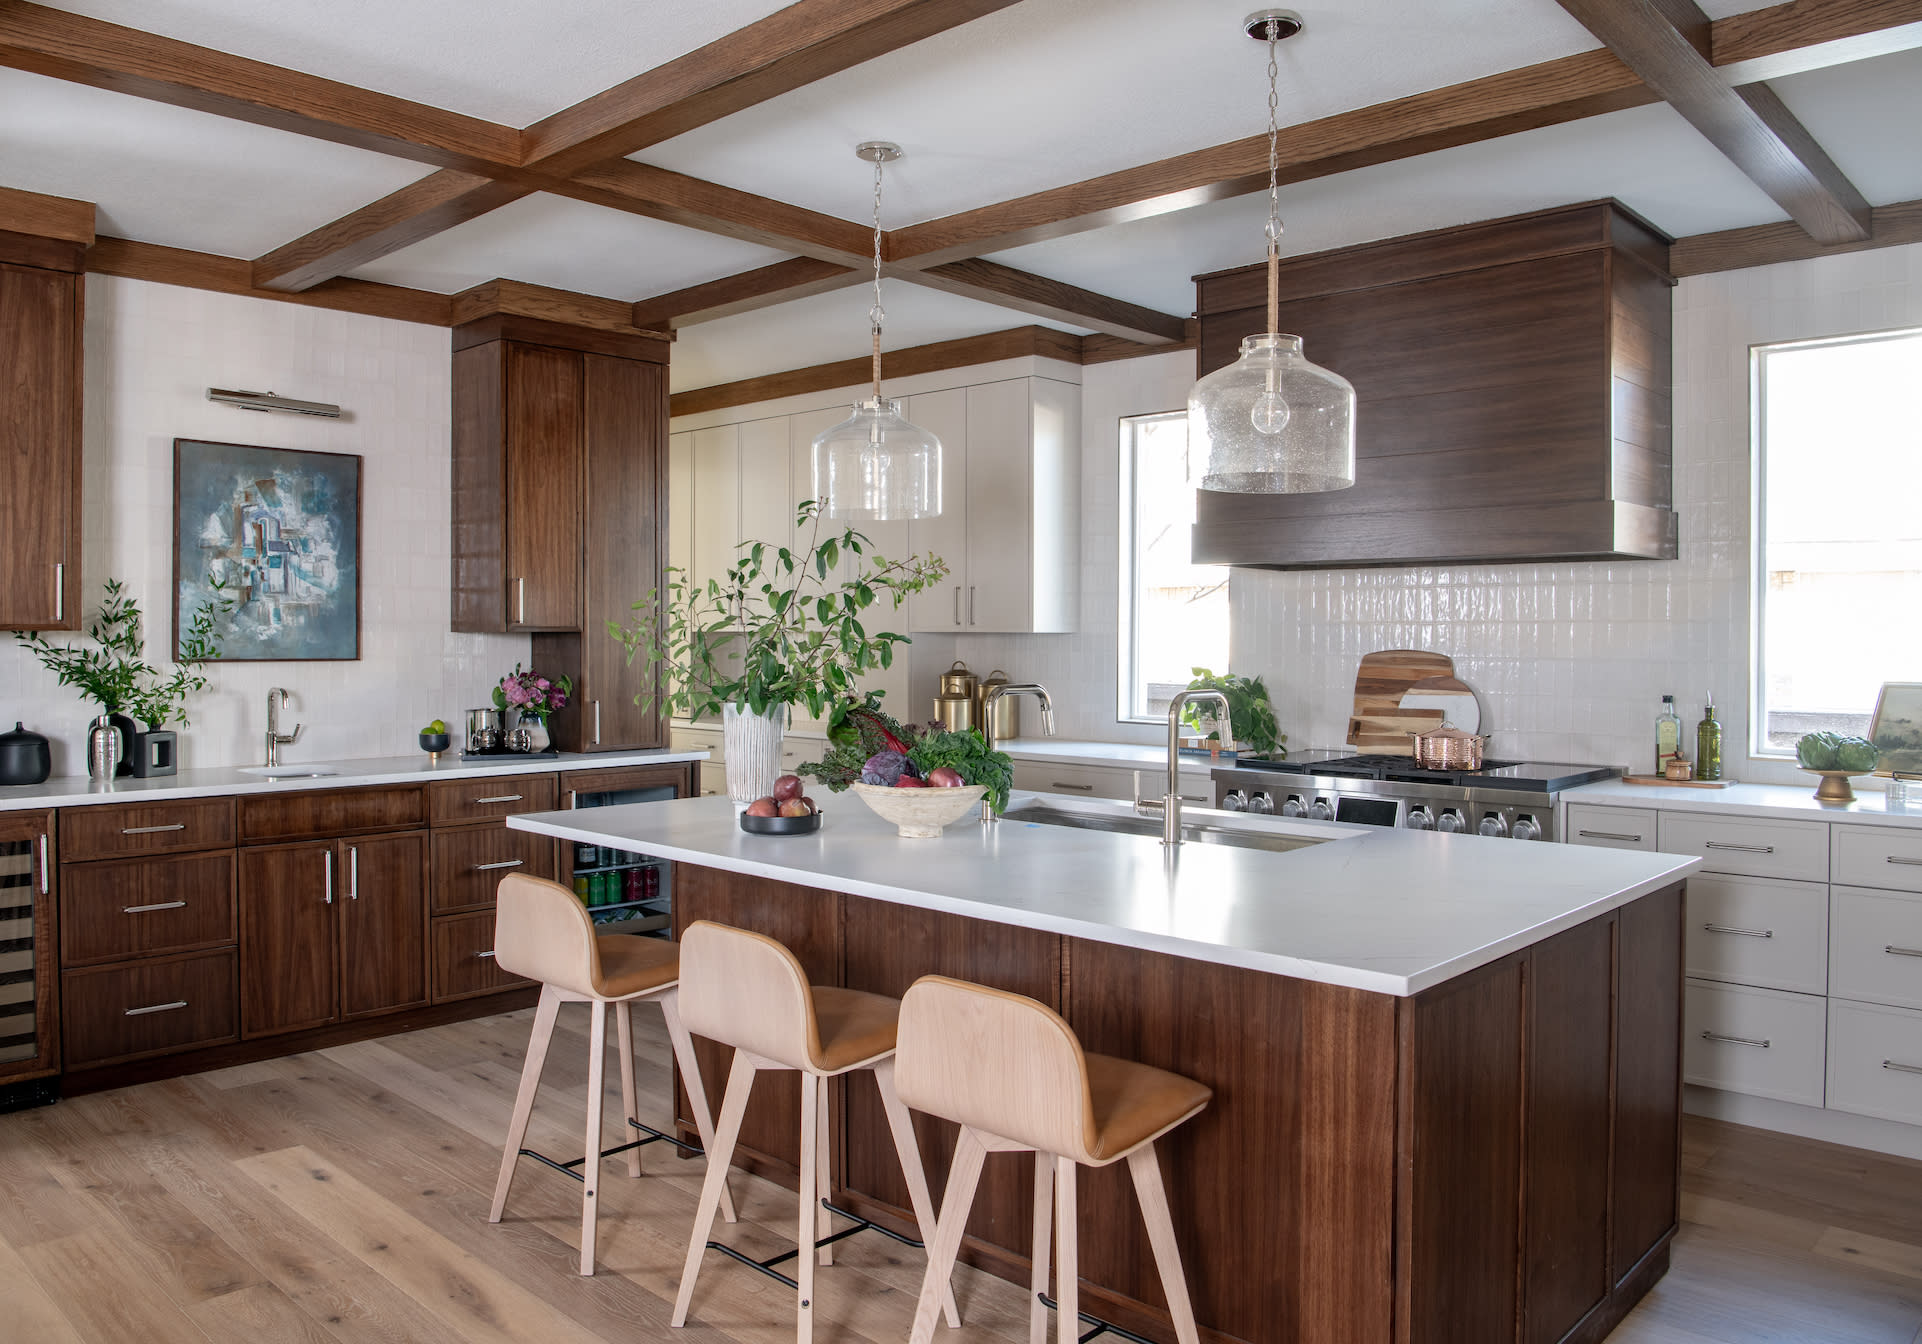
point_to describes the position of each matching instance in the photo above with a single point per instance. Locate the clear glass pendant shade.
(1271, 423)
(877, 467)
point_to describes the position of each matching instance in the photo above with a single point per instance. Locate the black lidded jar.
(25, 758)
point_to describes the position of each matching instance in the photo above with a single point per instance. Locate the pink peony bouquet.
(532, 694)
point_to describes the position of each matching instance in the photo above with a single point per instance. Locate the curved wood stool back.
(746, 990)
(543, 932)
(1013, 1075)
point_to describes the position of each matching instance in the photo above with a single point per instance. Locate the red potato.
(796, 807)
(763, 807)
(945, 777)
(786, 787)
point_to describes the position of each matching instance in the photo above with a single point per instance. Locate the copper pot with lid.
(1448, 748)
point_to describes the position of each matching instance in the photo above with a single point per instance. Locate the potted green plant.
(113, 672)
(1251, 718)
(781, 628)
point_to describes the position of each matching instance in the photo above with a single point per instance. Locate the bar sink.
(1193, 831)
(289, 771)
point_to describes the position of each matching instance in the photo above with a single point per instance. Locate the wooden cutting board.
(1380, 725)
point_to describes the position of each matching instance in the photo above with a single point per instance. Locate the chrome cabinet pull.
(1073, 788)
(59, 591)
(520, 601)
(573, 799)
(45, 863)
(1895, 951)
(502, 798)
(1746, 933)
(155, 1008)
(152, 830)
(328, 880)
(487, 955)
(1746, 849)
(957, 604)
(145, 909)
(1911, 863)
(504, 863)
(597, 723)
(1734, 1040)
(353, 872)
(970, 604)
(1610, 835)
(1894, 1067)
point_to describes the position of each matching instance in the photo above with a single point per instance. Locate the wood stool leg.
(690, 1064)
(740, 1081)
(901, 1126)
(824, 1181)
(624, 1027)
(537, 1043)
(1067, 1270)
(1146, 1170)
(811, 1086)
(596, 1104)
(1043, 1222)
(956, 1200)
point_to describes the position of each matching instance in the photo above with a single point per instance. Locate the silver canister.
(484, 730)
(103, 748)
(954, 712)
(1005, 716)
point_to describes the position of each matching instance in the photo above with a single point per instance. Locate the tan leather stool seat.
(1134, 1102)
(853, 1026)
(631, 965)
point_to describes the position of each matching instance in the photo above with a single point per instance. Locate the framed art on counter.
(1896, 729)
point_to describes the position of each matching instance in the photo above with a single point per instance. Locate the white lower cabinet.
(1610, 827)
(1081, 781)
(1759, 931)
(1875, 1060)
(1765, 1042)
(1875, 946)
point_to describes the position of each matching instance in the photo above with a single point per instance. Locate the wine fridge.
(29, 1051)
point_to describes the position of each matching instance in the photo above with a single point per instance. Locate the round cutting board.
(1455, 699)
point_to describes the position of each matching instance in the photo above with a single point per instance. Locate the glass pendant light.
(875, 466)
(1272, 423)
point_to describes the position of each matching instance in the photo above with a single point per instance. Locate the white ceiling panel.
(187, 179)
(550, 240)
(1648, 158)
(1868, 116)
(827, 327)
(505, 60)
(1053, 91)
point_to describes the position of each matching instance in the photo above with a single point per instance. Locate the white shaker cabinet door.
(716, 473)
(766, 513)
(680, 499)
(998, 595)
(941, 609)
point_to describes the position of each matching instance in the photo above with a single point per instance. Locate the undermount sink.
(289, 771)
(1205, 833)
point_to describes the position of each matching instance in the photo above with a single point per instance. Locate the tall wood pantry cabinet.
(559, 508)
(42, 287)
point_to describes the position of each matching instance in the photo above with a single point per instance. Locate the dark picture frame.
(282, 527)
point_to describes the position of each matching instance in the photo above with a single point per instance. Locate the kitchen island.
(1446, 1069)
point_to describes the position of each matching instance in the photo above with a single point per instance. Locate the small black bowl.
(781, 825)
(435, 741)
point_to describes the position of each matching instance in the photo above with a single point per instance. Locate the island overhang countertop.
(1389, 911)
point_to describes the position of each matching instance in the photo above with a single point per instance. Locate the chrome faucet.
(1170, 804)
(277, 701)
(1039, 692)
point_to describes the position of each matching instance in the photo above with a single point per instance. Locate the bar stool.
(543, 932)
(748, 991)
(1014, 1076)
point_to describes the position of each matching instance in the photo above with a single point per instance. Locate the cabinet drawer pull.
(520, 601)
(502, 798)
(144, 909)
(1195, 798)
(1746, 849)
(1610, 835)
(45, 866)
(1746, 933)
(1910, 863)
(597, 723)
(1895, 951)
(353, 871)
(1073, 788)
(155, 1008)
(504, 863)
(970, 604)
(327, 880)
(487, 955)
(1734, 1040)
(152, 830)
(957, 606)
(1894, 1067)
(59, 591)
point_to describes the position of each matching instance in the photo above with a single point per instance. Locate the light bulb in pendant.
(1270, 413)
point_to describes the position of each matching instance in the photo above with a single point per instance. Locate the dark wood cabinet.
(40, 387)
(543, 472)
(383, 924)
(29, 1001)
(464, 964)
(470, 861)
(118, 831)
(289, 950)
(151, 1007)
(145, 907)
(1512, 381)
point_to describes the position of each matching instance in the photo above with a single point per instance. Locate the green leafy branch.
(114, 672)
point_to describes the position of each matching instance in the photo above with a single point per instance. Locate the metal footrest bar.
(656, 1136)
(1101, 1327)
(861, 1225)
(568, 1168)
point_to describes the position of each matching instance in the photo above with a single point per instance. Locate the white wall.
(151, 353)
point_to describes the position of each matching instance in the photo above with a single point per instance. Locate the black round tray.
(781, 825)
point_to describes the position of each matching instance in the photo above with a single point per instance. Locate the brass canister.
(957, 681)
(954, 712)
(1006, 714)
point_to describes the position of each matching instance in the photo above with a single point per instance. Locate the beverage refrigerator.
(625, 892)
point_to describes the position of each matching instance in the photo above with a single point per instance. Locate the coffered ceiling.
(633, 151)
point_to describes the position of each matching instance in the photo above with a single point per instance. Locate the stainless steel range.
(1512, 799)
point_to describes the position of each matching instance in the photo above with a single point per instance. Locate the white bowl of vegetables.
(921, 778)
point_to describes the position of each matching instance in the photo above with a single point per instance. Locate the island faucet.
(277, 701)
(1170, 803)
(1039, 692)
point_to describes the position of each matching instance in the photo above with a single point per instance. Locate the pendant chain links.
(1274, 174)
(877, 315)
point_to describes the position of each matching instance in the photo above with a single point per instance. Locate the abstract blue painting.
(279, 530)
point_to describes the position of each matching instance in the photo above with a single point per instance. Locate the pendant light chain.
(877, 315)
(1274, 187)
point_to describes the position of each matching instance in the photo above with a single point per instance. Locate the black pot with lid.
(25, 757)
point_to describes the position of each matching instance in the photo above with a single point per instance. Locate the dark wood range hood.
(1513, 395)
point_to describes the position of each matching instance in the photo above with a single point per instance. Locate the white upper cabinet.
(680, 500)
(716, 503)
(939, 609)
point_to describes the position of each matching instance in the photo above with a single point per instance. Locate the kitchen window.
(1838, 533)
(1174, 613)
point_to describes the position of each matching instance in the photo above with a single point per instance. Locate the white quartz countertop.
(1782, 801)
(1130, 755)
(78, 791)
(1390, 911)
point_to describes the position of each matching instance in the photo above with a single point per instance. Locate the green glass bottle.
(1708, 744)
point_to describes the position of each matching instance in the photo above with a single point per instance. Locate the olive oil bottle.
(1708, 744)
(1668, 735)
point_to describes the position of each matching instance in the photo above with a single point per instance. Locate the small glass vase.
(530, 732)
(752, 745)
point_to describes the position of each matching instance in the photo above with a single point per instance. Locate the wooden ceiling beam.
(419, 210)
(1750, 124)
(750, 291)
(515, 298)
(788, 49)
(643, 189)
(1801, 35)
(1055, 300)
(234, 275)
(39, 216)
(1766, 244)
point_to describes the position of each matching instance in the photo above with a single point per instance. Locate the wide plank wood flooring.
(342, 1196)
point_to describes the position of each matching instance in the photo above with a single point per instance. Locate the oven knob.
(1492, 824)
(1526, 828)
(1263, 804)
(1293, 807)
(1450, 822)
(1235, 802)
(1420, 819)
(1320, 811)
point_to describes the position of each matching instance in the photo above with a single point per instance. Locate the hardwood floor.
(342, 1196)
